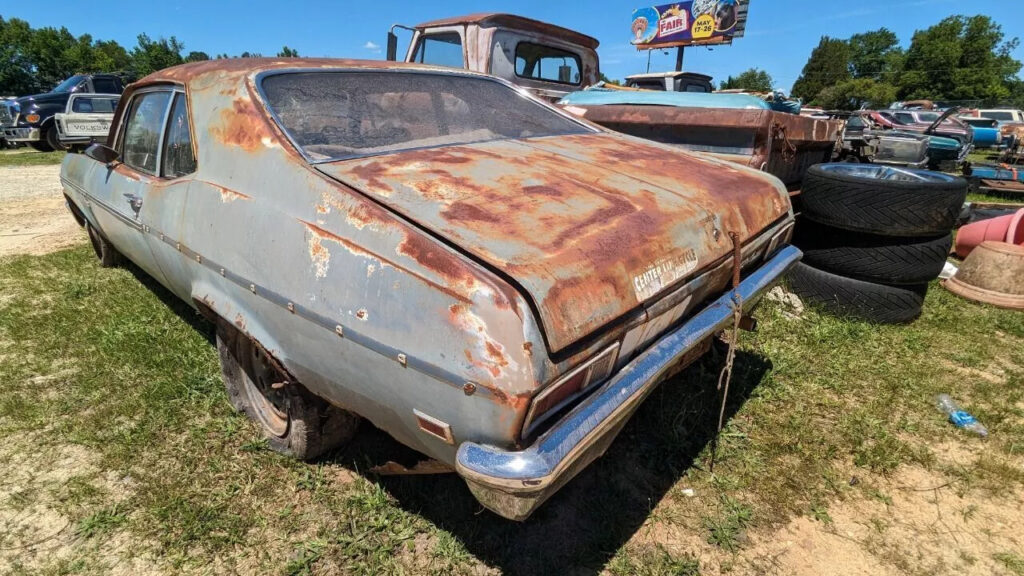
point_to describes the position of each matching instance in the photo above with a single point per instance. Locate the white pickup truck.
(86, 119)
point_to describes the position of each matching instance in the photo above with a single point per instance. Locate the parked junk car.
(671, 82)
(547, 60)
(491, 281)
(736, 127)
(30, 119)
(1002, 114)
(985, 132)
(86, 119)
(946, 147)
(866, 141)
(944, 124)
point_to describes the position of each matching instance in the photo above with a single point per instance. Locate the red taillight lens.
(569, 387)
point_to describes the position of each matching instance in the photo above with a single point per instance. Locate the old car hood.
(589, 226)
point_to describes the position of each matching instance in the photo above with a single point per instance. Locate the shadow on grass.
(582, 526)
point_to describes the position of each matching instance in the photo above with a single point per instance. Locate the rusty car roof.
(492, 19)
(184, 73)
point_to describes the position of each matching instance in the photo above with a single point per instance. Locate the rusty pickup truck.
(478, 273)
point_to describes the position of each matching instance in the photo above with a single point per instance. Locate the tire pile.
(873, 237)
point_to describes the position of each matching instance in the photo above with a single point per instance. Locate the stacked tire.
(873, 237)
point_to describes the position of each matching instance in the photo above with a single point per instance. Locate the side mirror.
(103, 154)
(392, 46)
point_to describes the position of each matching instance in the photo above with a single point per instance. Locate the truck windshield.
(68, 85)
(342, 114)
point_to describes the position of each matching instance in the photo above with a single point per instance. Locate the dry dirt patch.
(33, 219)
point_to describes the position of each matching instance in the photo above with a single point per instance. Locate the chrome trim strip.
(420, 365)
(535, 472)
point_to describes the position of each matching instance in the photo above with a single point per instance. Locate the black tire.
(52, 138)
(882, 199)
(40, 146)
(869, 301)
(108, 256)
(872, 257)
(294, 421)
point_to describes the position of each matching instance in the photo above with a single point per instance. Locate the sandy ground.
(33, 219)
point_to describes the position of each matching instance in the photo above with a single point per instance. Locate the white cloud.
(371, 46)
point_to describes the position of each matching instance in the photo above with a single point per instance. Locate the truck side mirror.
(103, 154)
(392, 46)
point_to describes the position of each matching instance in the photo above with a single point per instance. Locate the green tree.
(754, 80)
(856, 93)
(960, 58)
(16, 75)
(287, 52)
(109, 56)
(602, 78)
(828, 65)
(52, 56)
(152, 55)
(875, 55)
(196, 56)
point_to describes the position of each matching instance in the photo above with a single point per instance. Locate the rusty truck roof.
(493, 19)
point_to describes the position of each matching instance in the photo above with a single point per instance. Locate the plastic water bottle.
(958, 417)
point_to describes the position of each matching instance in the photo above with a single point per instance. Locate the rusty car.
(488, 279)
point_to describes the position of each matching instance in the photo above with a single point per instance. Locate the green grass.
(1013, 562)
(29, 157)
(130, 376)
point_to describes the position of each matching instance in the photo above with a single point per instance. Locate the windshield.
(928, 116)
(337, 115)
(68, 85)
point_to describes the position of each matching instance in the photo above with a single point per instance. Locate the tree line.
(34, 60)
(962, 59)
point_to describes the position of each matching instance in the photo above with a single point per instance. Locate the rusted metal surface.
(1001, 186)
(496, 20)
(784, 145)
(455, 281)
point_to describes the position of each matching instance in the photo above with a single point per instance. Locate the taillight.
(570, 387)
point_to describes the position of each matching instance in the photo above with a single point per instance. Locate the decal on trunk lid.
(663, 274)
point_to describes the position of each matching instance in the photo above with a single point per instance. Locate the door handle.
(135, 201)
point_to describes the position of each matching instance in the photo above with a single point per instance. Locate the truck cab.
(671, 82)
(548, 60)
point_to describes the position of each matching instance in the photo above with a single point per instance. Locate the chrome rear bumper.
(514, 483)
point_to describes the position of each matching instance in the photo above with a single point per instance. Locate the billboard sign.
(690, 22)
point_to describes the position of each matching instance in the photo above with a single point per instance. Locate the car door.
(121, 189)
(165, 200)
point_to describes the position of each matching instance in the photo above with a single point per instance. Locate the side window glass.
(440, 49)
(178, 159)
(142, 131)
(104, 86)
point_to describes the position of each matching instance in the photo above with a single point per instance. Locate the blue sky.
(780, 34)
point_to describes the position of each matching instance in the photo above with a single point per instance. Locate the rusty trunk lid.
(589, 226)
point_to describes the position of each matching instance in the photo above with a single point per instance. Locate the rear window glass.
(94, 105)
(440, 50)
(335, 115)
(537, 62)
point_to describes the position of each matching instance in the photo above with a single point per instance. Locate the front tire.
(294, 421)
(105, 252)
(52, 139)
(40, 146)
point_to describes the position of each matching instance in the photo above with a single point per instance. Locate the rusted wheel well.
(230, 330)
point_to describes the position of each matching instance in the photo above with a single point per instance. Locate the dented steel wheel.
(294, 421)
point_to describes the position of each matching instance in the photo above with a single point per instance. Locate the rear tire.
(108, 256)
(884, 200)
(869, 301)
(872, 257)
(294, 421)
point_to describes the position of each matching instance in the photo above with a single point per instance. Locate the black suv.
(29, 119)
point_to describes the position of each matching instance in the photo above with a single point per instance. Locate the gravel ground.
(33, 219)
